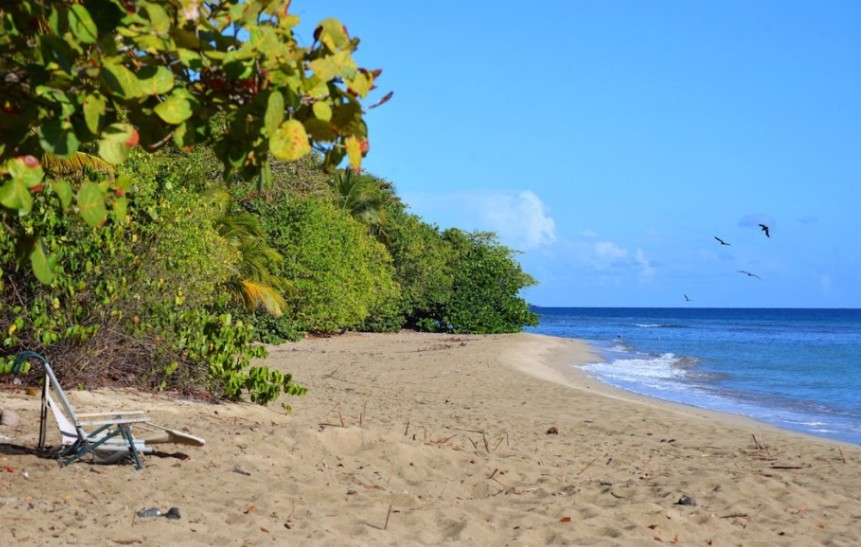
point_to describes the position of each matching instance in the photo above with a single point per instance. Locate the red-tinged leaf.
(382, 101)
(354, 152)
(290, 141)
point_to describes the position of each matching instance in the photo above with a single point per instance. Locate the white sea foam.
(645, 370)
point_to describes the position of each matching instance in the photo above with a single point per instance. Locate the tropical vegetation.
(172, 198)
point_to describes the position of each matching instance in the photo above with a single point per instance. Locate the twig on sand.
(756, 443)
(341, 416)
(493, 474)
(486, 446)
(389, 514)
(444, 440)
(474, 445)
(505, 438)
(734, 515)
(362, 415)
(842, 455)
(587, 466)
(407, 429)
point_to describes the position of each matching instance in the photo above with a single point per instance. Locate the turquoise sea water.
(799, 369)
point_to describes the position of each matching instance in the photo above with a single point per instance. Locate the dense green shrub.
(422, 269)
(487, 280)
(342, 276)
(138, 300)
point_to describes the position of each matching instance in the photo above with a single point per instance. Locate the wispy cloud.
(520, 219)
(647, 272)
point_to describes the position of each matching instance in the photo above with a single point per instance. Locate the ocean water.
(799, 369)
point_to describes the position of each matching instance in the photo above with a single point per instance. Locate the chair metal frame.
(113, 429)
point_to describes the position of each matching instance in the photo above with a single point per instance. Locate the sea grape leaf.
(64, 192)
(174, 110)
(354, 151)
(82, 25)
(94, 109)
(155, 80)
(121, 80)
(41, 265)
(91, 202)
(114, 144)
(274, 113)
(290, 142)
(15, 195)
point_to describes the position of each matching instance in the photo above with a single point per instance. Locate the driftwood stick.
(842, 455)
(407, 429)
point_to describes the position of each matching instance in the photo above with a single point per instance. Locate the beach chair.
(106, 435)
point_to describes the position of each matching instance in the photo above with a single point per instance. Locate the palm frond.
(256, 296)
(75, 164)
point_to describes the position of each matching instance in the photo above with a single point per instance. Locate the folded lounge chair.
(107, 435)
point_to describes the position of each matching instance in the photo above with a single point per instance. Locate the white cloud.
(521, 220)
(609, 251)
(647, 272)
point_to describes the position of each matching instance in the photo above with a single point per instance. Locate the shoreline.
(570, 373)
(429, 439)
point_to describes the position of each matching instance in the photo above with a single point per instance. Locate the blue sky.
(610, 142)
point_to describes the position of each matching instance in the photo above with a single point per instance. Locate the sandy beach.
(421, 439)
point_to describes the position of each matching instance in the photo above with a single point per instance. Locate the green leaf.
(26, 169)
(114, 144)
(290, 142)
(158, 17)
(333, 34)
(274, 113)
(155, 80)
(322, 111)
(174, 110)
(91, 202)
(64, 192)
(40, 263)
(14, 195)
(94, 110)
(57, 137)
(121, 207)
(121, 80)
(82, 24)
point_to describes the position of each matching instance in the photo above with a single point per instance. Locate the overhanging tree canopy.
(106, 75)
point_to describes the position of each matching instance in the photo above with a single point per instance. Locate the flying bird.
(764, 228)
(687, 299)
(722, 242)
(749, 274)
